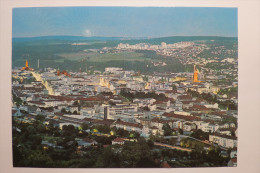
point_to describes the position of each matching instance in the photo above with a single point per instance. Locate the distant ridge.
(67, 38)
(97, 38)
(175, 39)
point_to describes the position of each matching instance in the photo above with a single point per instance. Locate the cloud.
(87, 33)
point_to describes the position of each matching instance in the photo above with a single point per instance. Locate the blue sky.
(124, 21)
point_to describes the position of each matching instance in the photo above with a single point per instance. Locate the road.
(45, 83)
(172, 147)
(201, 141)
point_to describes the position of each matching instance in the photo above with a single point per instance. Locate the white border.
(249, 87)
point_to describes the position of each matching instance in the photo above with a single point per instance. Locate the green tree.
(63, 110)
(199, 134)
(84, 126)
(40, 118)
(174, 87)
(167, 129)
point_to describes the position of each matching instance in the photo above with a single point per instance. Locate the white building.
(120, 109)
(113, 69)
(223, 140)
(136, 127)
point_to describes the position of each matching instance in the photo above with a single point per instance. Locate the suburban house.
(232, 162)
(118, 141)
(187, 126)
(86, 142)
(16, 113)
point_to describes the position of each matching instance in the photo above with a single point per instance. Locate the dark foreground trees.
(29, 151)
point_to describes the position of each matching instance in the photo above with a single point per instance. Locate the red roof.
(118, 140)
(129, 124)
(199, 107)
(103, 122)
(153, 127)
(157, 120)
(177, 116)
(171, 91)
(37, 102)
(234, 160)
(90, 99)
(187, 102)
(185, 97)
(59, 113)
(165, 165)
(89, 140)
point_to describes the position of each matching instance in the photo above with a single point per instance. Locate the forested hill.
(62, 52)
(65, 38)
(116, 40)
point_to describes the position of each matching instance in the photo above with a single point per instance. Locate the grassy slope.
(97, 57)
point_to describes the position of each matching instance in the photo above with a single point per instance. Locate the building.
(26, 68)
(86, 142)
(223, 140)
(118, 141)
(136, 127)
(195, 74)
(64, 72)
(119, 109)
(232, 162)
(113, 69)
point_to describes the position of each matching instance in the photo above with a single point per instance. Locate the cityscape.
(124, 102)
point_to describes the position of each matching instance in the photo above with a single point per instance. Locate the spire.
(26, 63)
(195, 74)
(27, 67)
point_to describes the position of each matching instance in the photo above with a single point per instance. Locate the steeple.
(26, 64)
(195, 74)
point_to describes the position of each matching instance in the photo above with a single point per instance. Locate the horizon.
(152, 22)
(125, 37)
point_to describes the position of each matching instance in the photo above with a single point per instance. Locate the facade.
(119, 109)
(118, 141)
(223, 140)
(86, 142)
(136, 127)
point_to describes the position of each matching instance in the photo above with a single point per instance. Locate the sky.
(124, 21)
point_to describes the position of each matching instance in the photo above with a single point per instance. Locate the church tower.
(26, 64)
(195, 74)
